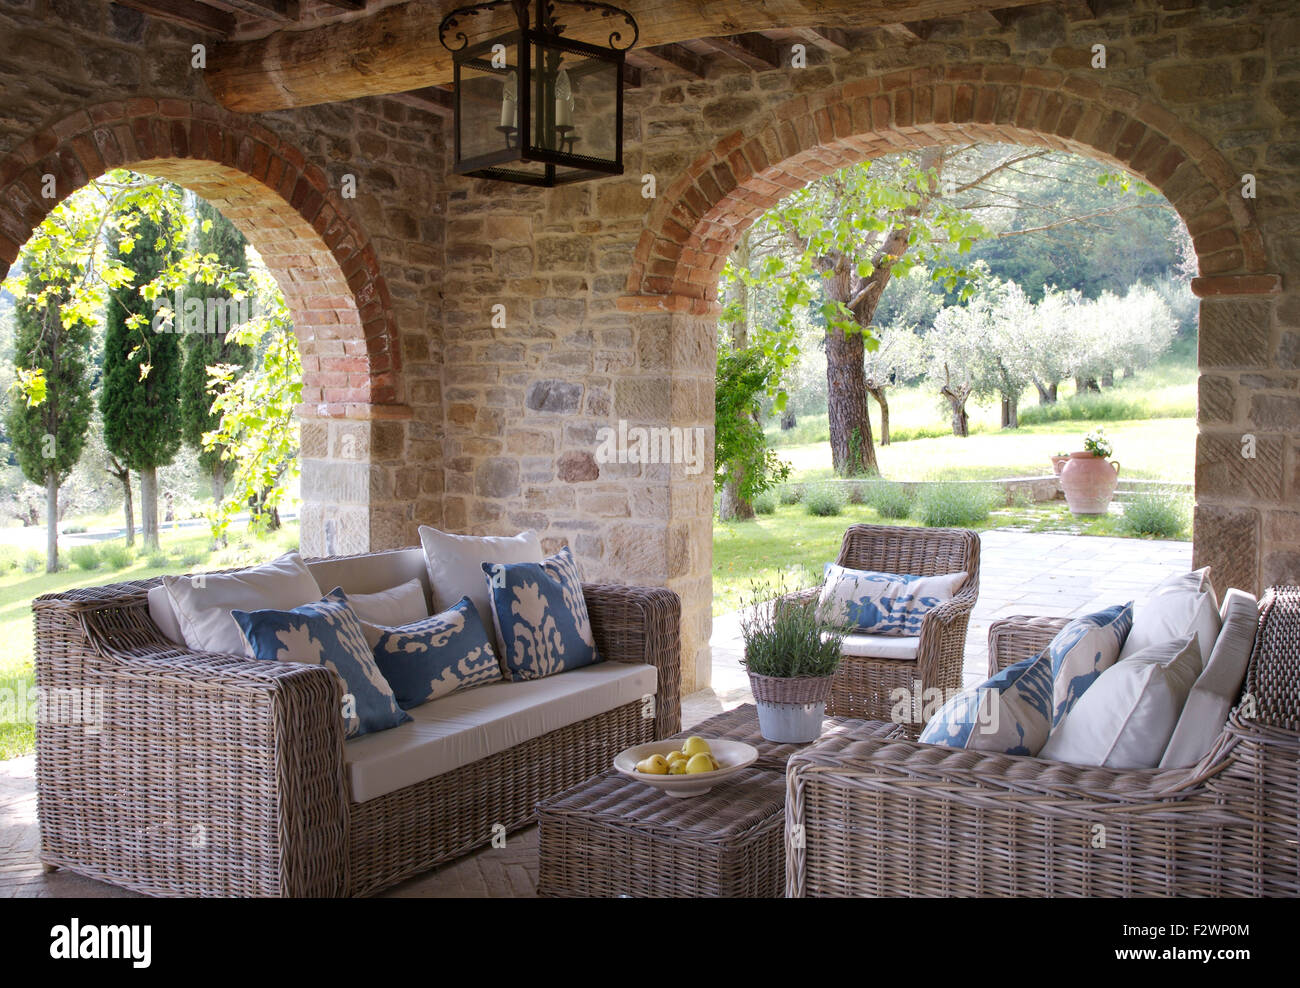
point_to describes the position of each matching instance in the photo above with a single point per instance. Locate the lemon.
(696, 745)
(700, 762)
(654, 765)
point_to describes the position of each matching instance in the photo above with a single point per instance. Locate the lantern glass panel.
(576, 105)
(491, 104)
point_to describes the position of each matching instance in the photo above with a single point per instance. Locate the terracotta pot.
(1089, 483)
(1057, 463)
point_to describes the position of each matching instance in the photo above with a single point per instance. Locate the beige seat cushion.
(456, 730)
(881, 646)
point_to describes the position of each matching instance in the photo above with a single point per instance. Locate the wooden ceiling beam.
(347, 4)
(752, 50)
(829, 39)
(275, 11)
(186, 13)
(430, 99)
(674, 58)
(396, 48)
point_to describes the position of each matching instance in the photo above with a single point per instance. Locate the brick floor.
(1021, 573)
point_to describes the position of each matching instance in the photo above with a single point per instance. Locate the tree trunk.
(1010, 412)
(149, 506)
(883, 402)
(1108, 379)
(788, 420)
(1085, 384)
(733, 507)
(1046, 392)
(218, 483)
(852, 451)
(128, 510)
(51, 522)
(1128, 372)
(957, 403)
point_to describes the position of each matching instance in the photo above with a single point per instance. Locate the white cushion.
(391, 608)
(1177, 607)
(455, 730)
(456, 565)
(203, 602)
(1126, 717)
(1217, 688)
(164, 615)
(883, 603)
(881, 646)
(371, 573)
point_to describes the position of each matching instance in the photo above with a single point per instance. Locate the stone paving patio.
(1021, 573)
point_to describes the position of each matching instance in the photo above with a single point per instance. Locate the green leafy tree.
(742, 456)
(255, 430)
(48, 437)
(140, 395)
(218, 241)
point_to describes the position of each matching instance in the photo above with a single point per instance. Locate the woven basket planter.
(790, 711)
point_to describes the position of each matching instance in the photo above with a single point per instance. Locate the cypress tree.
(48, 438)
(201, 350)
(141, 413)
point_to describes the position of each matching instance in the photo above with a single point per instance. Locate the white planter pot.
(791, 723)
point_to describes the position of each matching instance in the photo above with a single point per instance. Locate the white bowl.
(734, 756)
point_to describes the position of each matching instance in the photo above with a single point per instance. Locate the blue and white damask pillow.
(883, 603)
(540, 616)
(1010, 713)
(437, 655)
(1082, 651)
(328, 633)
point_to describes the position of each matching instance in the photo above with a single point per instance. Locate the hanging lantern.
(533, 106)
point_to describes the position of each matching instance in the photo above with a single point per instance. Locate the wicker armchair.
(862, 686)
(895, 817)
(219, 775)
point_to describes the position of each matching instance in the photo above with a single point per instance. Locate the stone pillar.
(1248, 415)
(357, 493)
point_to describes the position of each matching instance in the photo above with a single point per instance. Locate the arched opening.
(698, 218)
(352, 416)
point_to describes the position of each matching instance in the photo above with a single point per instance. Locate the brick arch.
(698, 218)
(285, 206)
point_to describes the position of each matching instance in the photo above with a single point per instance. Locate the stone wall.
(89, 85)
(492, 425)
(609, 295)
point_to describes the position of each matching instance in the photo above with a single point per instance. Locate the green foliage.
(740, 446)
(157, 560)
(116, 555)
(256, 430)
(955, 505)
(217, 239)
(33, 561)
(890, 500)
(8, 559)
(765, 504)
(784, 637)
(47, 438)
(1162, 514)
(824, 501)
(140, 395)
(85, 557)
(1104, 407)
(1097, 444)
(790, 493)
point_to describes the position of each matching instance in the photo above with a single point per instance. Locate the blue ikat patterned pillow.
(437, 656)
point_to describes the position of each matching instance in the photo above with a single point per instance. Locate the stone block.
(497, 477)
(563, 397)
(1216, 400)
(1223, 471)
(1227, 540)
(1234, 333)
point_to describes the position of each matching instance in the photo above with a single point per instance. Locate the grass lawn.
(182, 552)
(1153, 449)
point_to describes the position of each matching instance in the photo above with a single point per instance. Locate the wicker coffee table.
(614, 836)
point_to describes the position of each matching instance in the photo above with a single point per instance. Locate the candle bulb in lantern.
(563, 100)
(509, 109)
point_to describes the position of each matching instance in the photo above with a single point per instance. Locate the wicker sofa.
(219, 775)
(895, 817)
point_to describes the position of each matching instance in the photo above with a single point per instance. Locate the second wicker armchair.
(874, 666)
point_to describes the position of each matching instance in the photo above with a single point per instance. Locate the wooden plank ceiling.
(238, 20)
